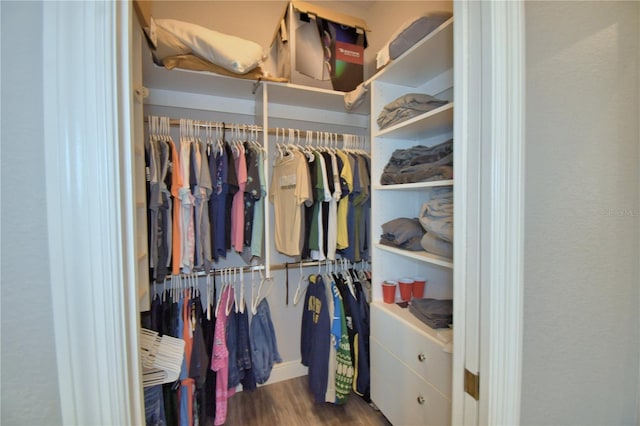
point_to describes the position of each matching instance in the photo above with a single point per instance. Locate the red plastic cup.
(418, 287)
(406, 286)
(389, 291)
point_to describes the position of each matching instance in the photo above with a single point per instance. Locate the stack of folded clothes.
(419, 164)
(433, 312)
(402, 233)
(406, 107)
(436, 217)
(432, 231)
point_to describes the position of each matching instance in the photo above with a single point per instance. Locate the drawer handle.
(422, 357)
(420, 400)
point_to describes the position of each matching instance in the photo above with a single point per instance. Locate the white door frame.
(489, 223)
(87, 91)
(87, 116)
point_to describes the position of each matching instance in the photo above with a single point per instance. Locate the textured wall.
(29, 381)
(580, 363)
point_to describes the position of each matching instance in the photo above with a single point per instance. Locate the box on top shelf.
(318, 47)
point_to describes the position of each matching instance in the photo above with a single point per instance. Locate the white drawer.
(402, 396)
(402, 334)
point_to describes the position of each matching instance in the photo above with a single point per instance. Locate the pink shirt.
(220, 359)
(237, 207)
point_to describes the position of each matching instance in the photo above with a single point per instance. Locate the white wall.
(29, 380)
(581, 347)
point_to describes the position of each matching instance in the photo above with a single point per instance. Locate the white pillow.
(232, 53)
(164, 43)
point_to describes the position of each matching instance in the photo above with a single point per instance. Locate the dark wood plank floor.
(290, 403)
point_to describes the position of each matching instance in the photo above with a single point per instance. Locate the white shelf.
(434, 122)
(198, 82)
(427, 59)
(413, 186)
(422, 256)
(211, 84)
(311, 97)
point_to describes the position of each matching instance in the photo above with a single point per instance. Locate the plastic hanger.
(258, 299)
(299, 289)
(224, 284)
(241, 302)
(232, 295)
(347, 278)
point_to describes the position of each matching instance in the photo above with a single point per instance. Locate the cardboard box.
(315, 46)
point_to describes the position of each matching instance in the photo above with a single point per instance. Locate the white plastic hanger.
(299, 289)
(224, 284)
(258, 299)
(232, 295)
(241, 302)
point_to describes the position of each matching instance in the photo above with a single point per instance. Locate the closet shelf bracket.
(256, 84)
(141, 93)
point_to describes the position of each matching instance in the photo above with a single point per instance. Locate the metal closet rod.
(274, 267)
(175, 122)
(305, 263)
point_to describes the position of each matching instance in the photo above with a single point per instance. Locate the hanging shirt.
(289, 190)
(349, 252)
(220, 359)
(344, 363)
(252, 192)
(154, 199)
(237, 208)
(176, 185)
(257, 232)
(332, 228)
(186, 198)
(203, 192)
(232, 182)
(187, 385)
(164, 214)
(322, 196)
(330, 394)
(218, 205)
(346, 177)
(315, 336)
(308, 211)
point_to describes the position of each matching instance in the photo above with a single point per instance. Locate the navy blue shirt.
(315, 337)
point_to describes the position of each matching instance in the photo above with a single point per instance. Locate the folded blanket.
(419, 164)
(432, 244)
(436, 215)
(435, 313)
(402, 233)
(407, 106)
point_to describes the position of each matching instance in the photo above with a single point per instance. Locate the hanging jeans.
(263, 343)
(154, 406)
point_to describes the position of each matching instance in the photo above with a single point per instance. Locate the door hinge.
(472, 384)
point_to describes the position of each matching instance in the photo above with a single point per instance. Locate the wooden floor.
(290, 403)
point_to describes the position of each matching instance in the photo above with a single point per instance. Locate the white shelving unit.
(407, 348)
